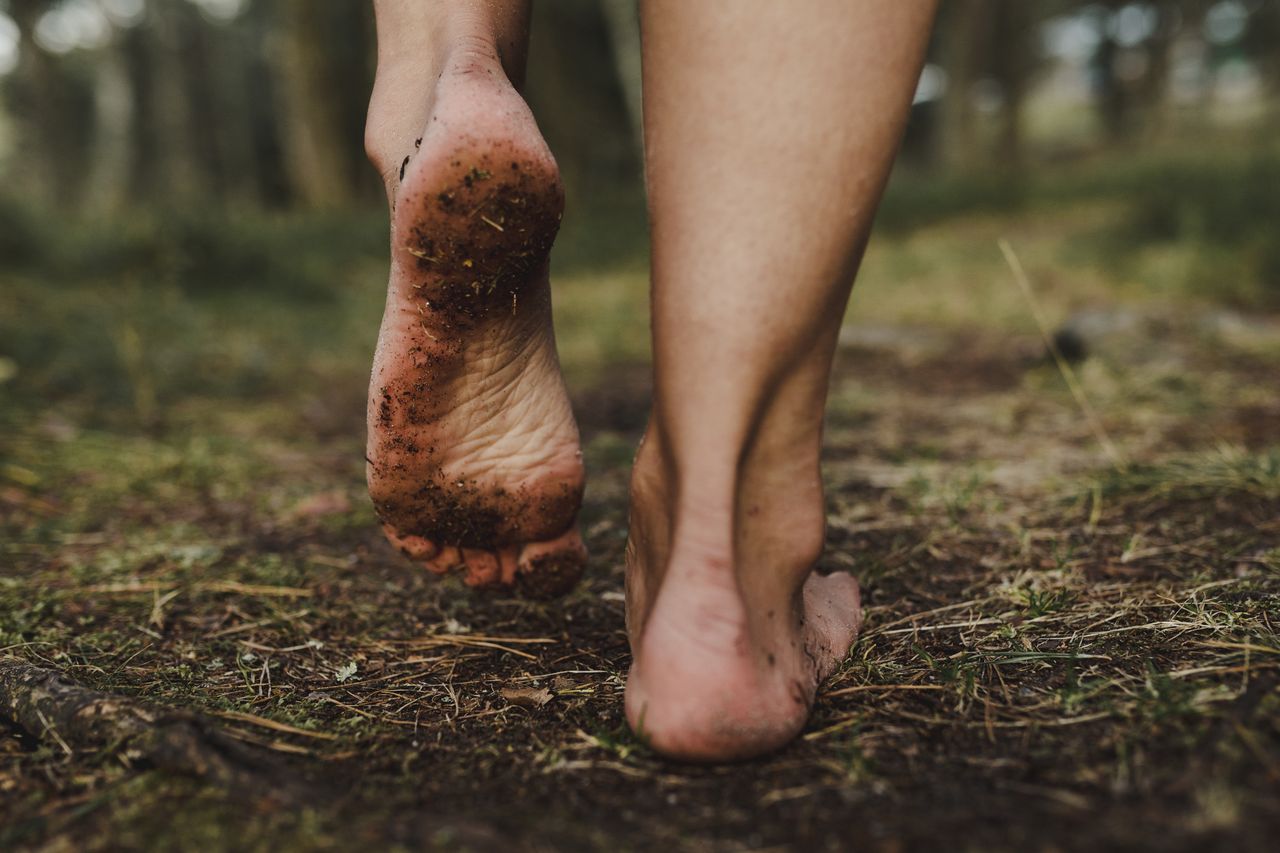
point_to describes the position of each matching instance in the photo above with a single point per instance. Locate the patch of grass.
(1044, 602)
(219, 251)
(1223, 470)
(622, 742)
(1196, 222)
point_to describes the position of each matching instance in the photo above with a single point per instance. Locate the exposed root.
(52, 708)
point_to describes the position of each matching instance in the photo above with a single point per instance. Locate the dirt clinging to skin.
(473, 244)
(487, 232)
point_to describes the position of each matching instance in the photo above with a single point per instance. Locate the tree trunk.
(1014, 63)
(203, 117)
(1155, 85)
(315, 106)
(142, 181)
(177, 177)
(963, 32)
(580, 103)
(624, 34)
(1113, 98)
(263, 154)
(40, 105)
(107, 184)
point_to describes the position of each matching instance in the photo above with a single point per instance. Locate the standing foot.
(731, 628)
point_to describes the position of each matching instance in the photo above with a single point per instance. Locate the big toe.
(833, 615)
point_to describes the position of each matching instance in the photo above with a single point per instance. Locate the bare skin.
(473, 458)
(770, 130)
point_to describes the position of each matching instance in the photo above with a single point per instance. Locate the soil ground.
(1064, 649)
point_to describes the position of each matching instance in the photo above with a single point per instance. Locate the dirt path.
(1060, 654)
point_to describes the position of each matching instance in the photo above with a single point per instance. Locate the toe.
(448, 559)
(483, 568)
(413, 547)
(833, 615)
(551, 568)
(509, 564)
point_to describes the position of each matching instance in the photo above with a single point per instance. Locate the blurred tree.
(262, 102)
(259, 150)
(993, 42)
(1261, 44)
(107, 178)
(325, 67)
(1153, 88)
(39, 100)
(1013, 60)
(180, 169)
(624, 36)
(135, 47)
(204, 116)
(576, 92)
(1132, 65)
(961, 41)
(1112, 96)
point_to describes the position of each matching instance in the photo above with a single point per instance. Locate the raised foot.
(474, 464)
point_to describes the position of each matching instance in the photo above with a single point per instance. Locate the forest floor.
(1064, 648)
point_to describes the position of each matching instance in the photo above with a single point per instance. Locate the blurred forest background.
(260, 103)
(215, 146)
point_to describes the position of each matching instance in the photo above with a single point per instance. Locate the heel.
(476, 228)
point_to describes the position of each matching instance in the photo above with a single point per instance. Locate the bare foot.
(731, 629)
(474, 464)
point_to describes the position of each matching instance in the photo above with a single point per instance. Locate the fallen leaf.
(322, 504)
(527, 697)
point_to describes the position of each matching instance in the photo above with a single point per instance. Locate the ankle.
(405, 91)
(411, 32)
(757, 510)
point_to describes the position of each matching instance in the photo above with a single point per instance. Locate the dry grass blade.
(1069, 375)
(1244, 647)
(862, 688)
(263, 722)
(255, 589)
(479, 641)
(236, 587)
(265, 743)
